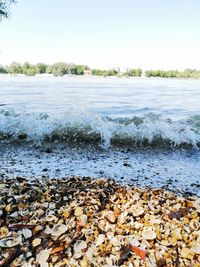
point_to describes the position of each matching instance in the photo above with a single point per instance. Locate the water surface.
(140, 130)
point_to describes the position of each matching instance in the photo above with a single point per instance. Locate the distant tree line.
(187, 73)
(57, 69)
(61, 69)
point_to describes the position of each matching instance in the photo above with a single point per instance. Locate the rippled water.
(115, 115)
(116, 97)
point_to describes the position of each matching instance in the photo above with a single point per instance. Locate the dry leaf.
(138, 251)
(57, 249)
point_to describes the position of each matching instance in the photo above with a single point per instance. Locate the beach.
(99, 172)
(95, 222)
(99, 134)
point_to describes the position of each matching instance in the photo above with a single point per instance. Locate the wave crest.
(150, 130)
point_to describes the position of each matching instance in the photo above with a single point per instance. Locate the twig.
(11, 257)
(177, 257)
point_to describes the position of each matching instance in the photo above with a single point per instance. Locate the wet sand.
(176, 171)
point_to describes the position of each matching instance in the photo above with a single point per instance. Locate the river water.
(138, 131)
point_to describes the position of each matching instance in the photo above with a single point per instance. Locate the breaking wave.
(151, 130)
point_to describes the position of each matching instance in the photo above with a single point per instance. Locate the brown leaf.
(138, 251)
(57, 249)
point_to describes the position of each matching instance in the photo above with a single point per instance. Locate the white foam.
(75, 125)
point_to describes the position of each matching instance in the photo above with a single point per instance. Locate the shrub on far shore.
(62, 68)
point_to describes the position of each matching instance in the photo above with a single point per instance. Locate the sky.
(151, 34)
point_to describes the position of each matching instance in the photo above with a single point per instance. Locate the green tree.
(40, 68)
(31, 71)
(80, 69)
(59, 69)
(133, 72)
(2, 69)
(15, 68)
(25, 67)
(98, 72)
(5, 8)
(111, 72)
(71, 69)
(49, 69)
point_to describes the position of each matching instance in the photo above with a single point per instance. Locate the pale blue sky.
(106, 33)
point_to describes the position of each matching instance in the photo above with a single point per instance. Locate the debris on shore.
(95, 222)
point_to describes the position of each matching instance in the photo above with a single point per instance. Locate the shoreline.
(143, 77)
(95, 222)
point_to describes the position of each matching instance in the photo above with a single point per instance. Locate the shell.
(122, 217)
(90, 254)
(110, 217)
(148, 233)
(83, 219)
(43, 256)
(50, 218)
(187, 253)
(136, 210)
(79, 248)
(100, 239)
(27, 233)
(115, 241)
(11, 241)
(78, 211)
(195, 248)
(134, 241)
(36, 242)
(27, 264)
(59, 229)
